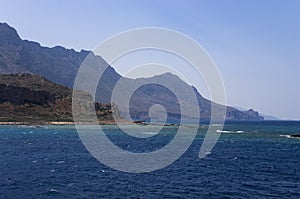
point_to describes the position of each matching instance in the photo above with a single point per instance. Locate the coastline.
(62, 123)
(37, 123)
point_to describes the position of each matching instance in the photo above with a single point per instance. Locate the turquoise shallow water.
(250, 160)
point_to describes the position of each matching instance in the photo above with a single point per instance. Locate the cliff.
(34, 99)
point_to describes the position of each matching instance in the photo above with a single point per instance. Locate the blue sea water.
(250, 160)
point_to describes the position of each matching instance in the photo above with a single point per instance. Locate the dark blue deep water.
(250, 160)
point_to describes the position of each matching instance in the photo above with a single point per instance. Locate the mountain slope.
(34, 99)
(61, 65)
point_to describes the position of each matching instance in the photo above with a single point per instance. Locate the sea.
(250, 160)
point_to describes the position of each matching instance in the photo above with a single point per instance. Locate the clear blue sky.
(255, 43)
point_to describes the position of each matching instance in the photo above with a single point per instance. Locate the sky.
(255, 44)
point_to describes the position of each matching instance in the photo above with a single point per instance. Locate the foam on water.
(229, 132)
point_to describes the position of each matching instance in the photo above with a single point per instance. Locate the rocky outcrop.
(34, 99)
(234, 114)
(20, 95)
(295, 136)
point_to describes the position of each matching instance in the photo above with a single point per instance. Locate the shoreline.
(63, 123)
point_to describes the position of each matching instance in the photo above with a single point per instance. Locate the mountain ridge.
(60, 65)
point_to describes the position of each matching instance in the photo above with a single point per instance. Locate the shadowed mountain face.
(61, 65)
(17, 56)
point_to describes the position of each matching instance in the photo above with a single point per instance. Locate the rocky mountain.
(61, 65)
(149, 94)
(265, 116)
(34, 99)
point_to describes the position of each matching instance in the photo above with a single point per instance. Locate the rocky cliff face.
(34, 99)
(20, 95)
(234, 114)
(60, 65)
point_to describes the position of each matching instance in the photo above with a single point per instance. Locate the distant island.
(32, 98)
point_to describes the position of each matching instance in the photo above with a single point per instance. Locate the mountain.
(61, 65)
(33, 99)
(149, 94)
(265, 116)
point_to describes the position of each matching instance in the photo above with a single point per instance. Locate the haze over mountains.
(61, 65)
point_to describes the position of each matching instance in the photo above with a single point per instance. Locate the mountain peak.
(8, 35)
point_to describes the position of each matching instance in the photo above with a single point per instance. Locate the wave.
(287, 136)
(150, 133)
(216, 125)
(53, 191)
(229, 132)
